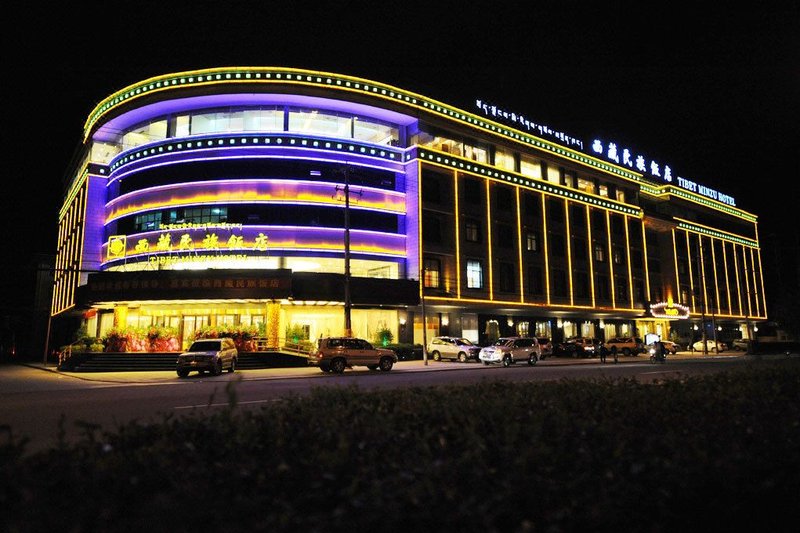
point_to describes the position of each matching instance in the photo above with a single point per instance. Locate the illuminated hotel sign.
(669, 310)
(624, 157)
(522, 121)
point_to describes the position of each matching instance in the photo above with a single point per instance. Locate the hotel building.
(286, 198)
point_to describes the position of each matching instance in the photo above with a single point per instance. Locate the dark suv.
(334, 354)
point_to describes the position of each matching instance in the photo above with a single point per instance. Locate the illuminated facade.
(218, 197)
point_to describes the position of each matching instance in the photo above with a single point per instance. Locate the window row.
(535, 281)
(260, 119)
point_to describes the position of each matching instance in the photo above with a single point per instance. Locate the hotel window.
(530, 167)
(503, 198)
(553, 175)
(601, 287)
(507, 282)
(476, 153)
(559, 283)
(432, 273)
(265, 119)
(532, 205)
(431, 189)
(153, 131)
(472, 232)
(581, 280)
(603, 191)
(375, 132)
(148, 222)
(621, 286)
(204, 215)
(569, 180)
(472, 191)
(636, 259)
(104, 152)
(557, 245)
(320, 122)
(555, 211)
(474, 274)
(447, 145)
(505, 236)
(535, 284)
(620, 195)
(617, 256)
(586, 186)
(504, 159)
(532, 241)
(432, 229)
(599, 253)
(578, 249)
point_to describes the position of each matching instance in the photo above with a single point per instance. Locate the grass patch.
(716, 452)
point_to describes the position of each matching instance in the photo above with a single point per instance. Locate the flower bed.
(152, 339)
(243, 336)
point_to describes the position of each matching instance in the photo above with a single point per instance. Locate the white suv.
(453, 348)
(509, 350)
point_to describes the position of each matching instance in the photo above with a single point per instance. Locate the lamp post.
(348, 330)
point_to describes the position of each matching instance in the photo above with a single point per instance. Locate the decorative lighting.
(445, 320)
(510, 321)
(602, 324)
(559, 324)
(403, 321)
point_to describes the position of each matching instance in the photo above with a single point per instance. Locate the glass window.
(504, 159)
(154, 131)
(507, 282)
(585, 186)
(603, 190)
(474, 274)
(535, 284)
(599, 253)
(320, 122)
(472, 232)
(476, 153)
(530, 167)
(553, 175)
(104, 152)
(532, 241)
(569, 180)
(182, 126)
(620, 195)
(266, 119)
(432, 273)
(376, 132)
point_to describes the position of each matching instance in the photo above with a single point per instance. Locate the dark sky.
(713, 92)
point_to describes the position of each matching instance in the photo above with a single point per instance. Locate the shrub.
(384, 336)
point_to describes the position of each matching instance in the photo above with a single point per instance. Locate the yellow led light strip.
(611, 261)
(467, 166)
(713, 232)
(646, 266)
(671, 190)
(458, 237)
(569, 251)
(281, 75)
(489, 239)
(590, 251)
(628, 260)
(519, 250)
(716, 280)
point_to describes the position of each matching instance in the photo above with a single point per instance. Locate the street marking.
(226, 403)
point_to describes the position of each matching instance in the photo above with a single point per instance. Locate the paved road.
(33, 399)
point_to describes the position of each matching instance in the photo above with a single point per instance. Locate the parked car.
(740, 344)
(720, 347)
(213, 355)
(625, 345)
(334, 354)
(453, 348)
(509, 350)
(547, 347)
(672, 347)
(582, 346)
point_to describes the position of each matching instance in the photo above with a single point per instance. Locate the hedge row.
(717, 452)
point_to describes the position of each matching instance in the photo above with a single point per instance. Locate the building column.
(120, 316)
(273, 324)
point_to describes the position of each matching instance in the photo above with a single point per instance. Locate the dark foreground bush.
(714, 453)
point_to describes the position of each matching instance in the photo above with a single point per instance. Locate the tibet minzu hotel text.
(276, 201)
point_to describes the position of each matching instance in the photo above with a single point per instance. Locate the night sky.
(712, 93)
